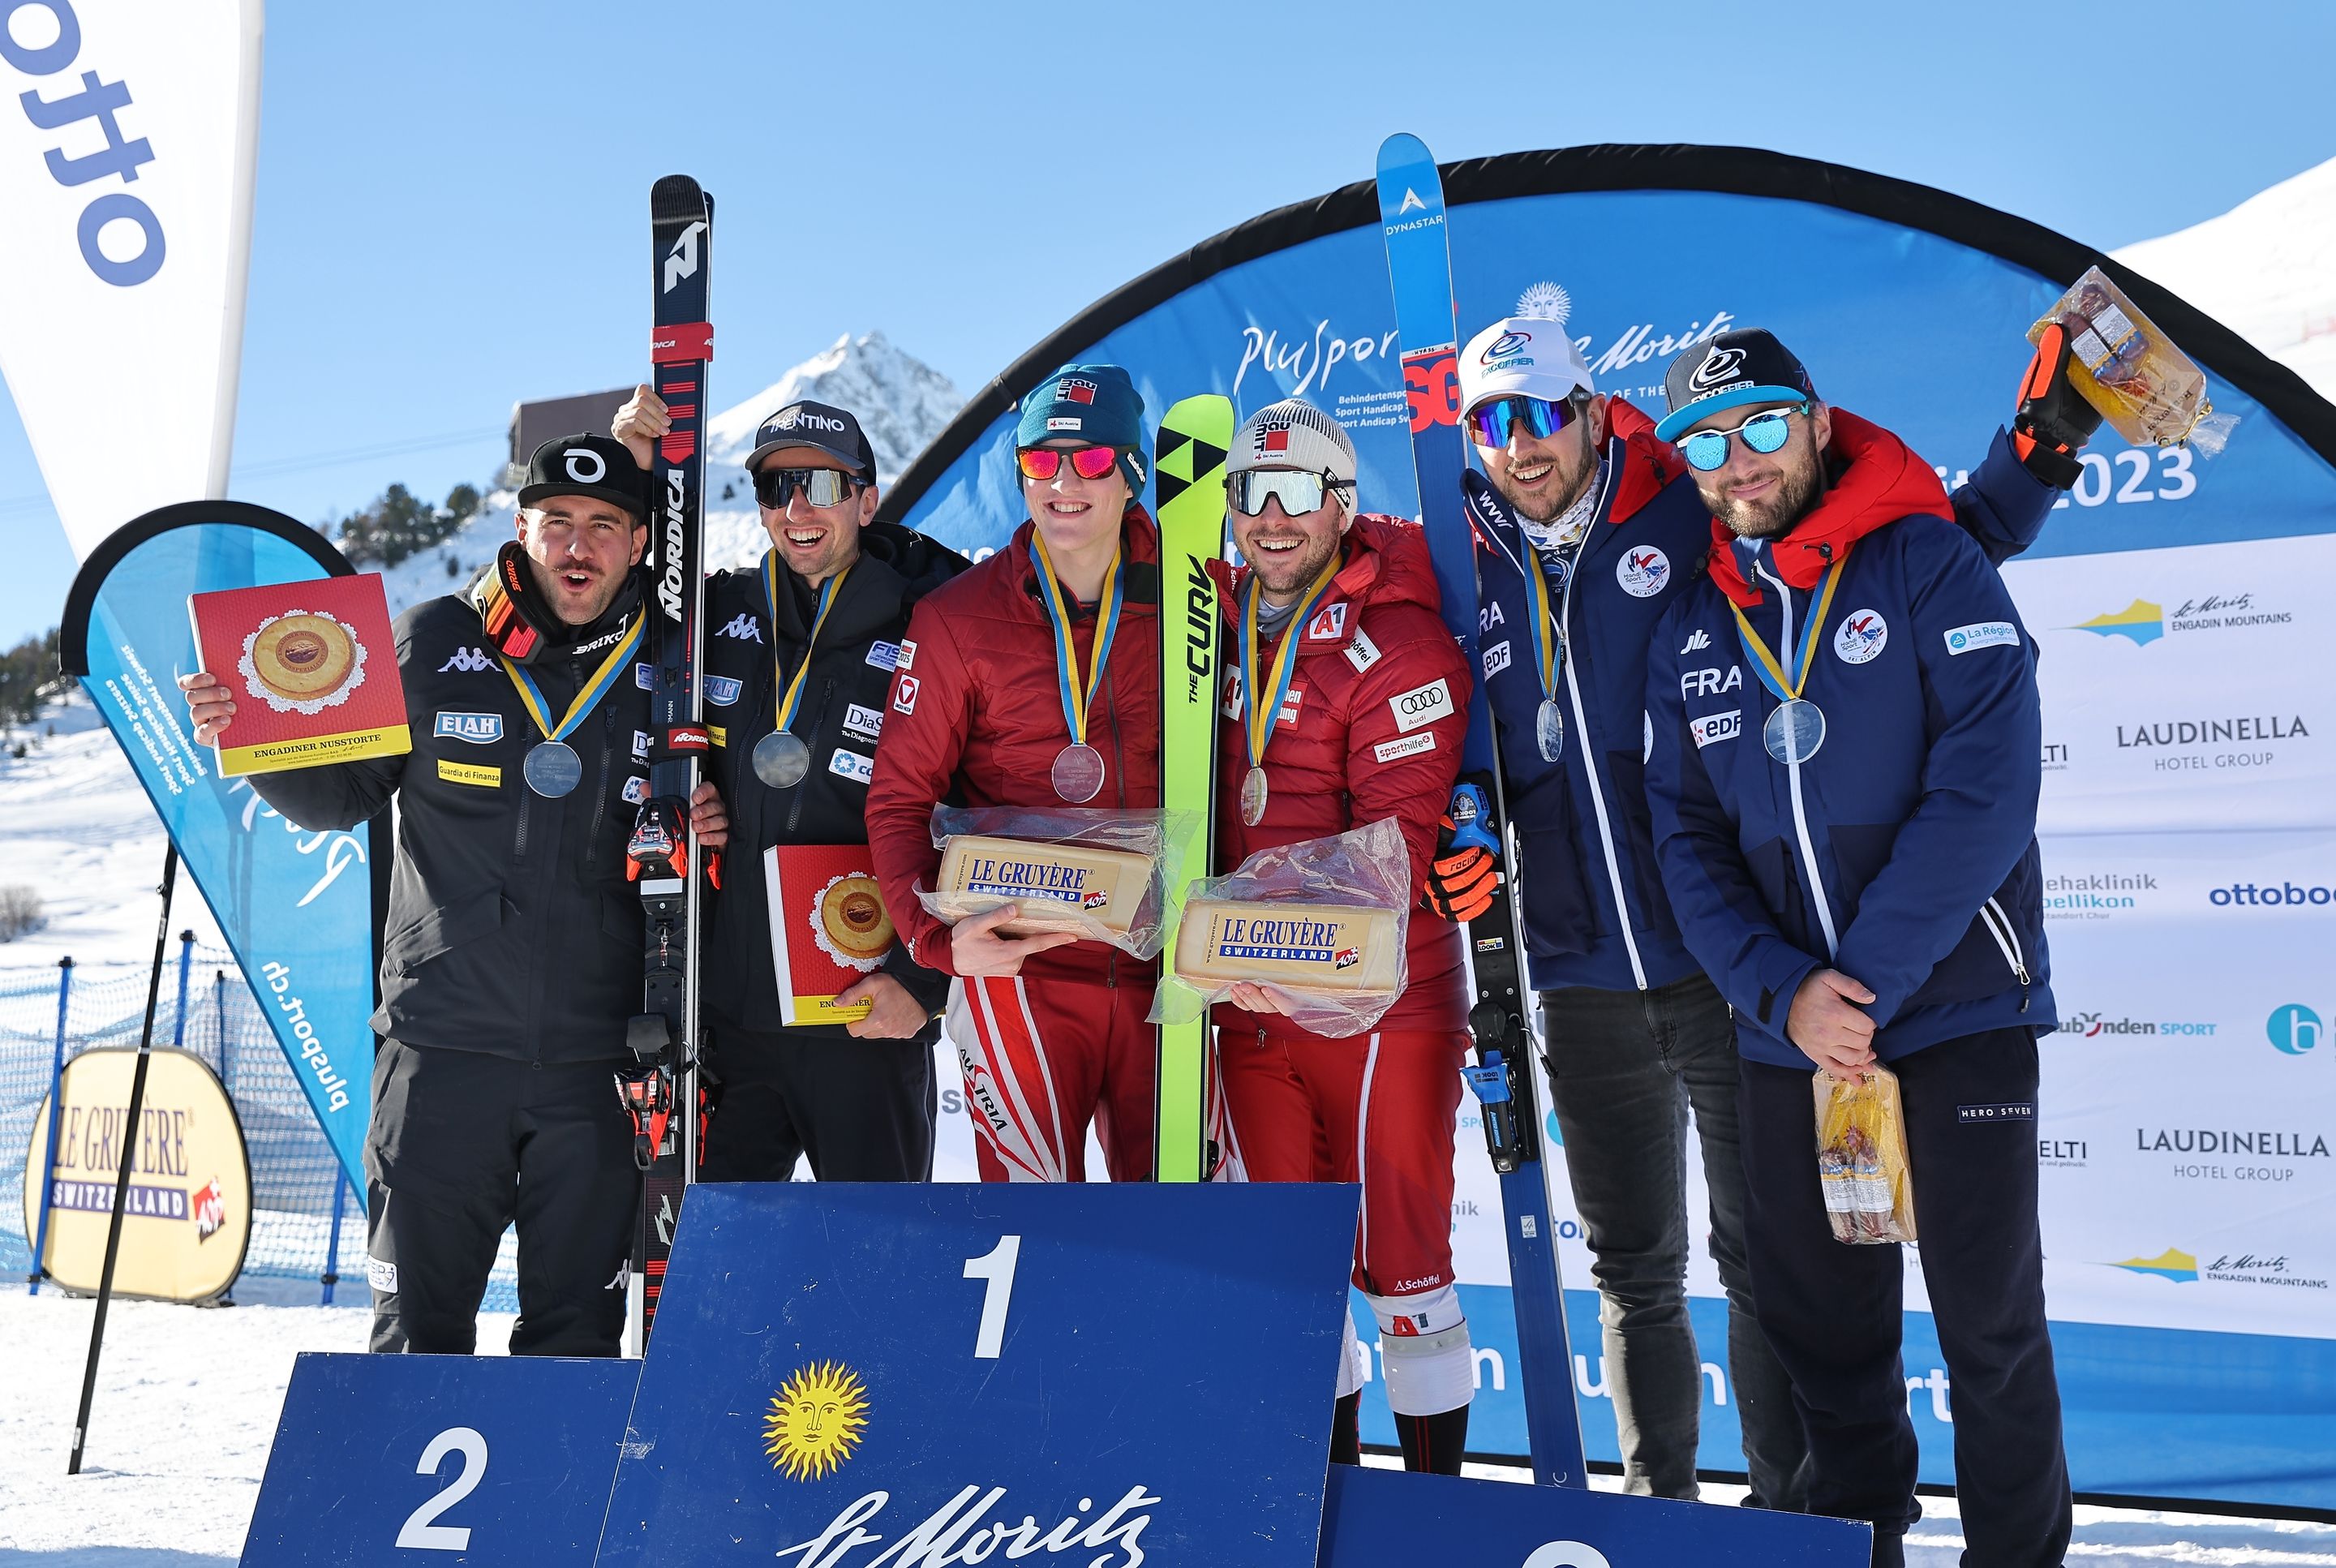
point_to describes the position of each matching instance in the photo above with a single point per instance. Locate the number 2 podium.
(902, 1377)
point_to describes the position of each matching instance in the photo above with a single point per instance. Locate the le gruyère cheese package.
(1354, 948)
(1058, 887)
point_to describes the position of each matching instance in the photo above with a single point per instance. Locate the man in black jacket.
(512, 954)
(799, 652)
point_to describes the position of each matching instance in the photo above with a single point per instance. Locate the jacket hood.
(1877, 480)
(923, 562)
(1644, 466)
(1387, 563)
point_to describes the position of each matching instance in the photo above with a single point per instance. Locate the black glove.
(2054, 421)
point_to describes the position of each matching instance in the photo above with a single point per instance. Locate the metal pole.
(128, 1156)
(186, 964)
(332, 1275)
(227, 1048)
(56, 1121)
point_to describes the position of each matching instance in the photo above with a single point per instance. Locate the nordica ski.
(661, 1089)
(1189, 488)
(1419, 266)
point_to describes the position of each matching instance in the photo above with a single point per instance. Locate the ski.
(1189, 488)
(1419, 268)
(661, 1089)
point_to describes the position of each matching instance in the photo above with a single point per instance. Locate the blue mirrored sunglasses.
(1706, 450)
(1490, 421)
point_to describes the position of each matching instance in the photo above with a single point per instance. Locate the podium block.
(1094, 1375)
(484, 1460)
(1375, 1517)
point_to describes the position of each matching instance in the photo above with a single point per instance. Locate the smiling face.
(815, 542)
(1542, 476)
(578, 549)
(1077, 514)
(1762, 495)
(1285, 554)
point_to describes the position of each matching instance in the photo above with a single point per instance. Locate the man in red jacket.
(1003, 696)
(1339, 641)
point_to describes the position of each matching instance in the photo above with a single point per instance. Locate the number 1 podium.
(903, 1376)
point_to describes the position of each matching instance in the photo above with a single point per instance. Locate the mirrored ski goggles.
(774, 487)
(1706, 450)
(1043, 463)
(1299, 493)
(1490, 421)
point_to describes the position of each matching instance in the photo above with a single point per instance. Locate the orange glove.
(1462, 878)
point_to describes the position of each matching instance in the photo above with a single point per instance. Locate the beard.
(1571, 473)
(1774, 515)
(1288, 574)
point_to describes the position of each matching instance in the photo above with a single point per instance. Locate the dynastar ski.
(661, 1089)
(1189, 488)
(1419, 266)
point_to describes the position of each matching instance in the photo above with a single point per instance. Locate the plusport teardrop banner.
(2187, 1125)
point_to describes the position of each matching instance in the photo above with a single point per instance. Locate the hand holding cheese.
(978, 947)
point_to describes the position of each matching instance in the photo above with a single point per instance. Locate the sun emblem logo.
(1546, 302)
(815, 1420)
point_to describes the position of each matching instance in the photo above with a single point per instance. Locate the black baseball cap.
(593, 466)
(821, 426)
(1733, 368)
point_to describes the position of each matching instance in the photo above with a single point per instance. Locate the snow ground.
(187, 1399)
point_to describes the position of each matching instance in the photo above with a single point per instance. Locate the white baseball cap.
(1527, 356)
(1293, 434)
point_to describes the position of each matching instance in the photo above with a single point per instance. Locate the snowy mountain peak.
(2266, 269)
(901, 401)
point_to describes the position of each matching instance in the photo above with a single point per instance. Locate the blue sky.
(452, 198)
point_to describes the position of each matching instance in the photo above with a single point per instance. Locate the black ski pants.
(860, 1110)
(1832, 1311)
(464, 1144)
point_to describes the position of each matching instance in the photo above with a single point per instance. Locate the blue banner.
(847, 1375)
(2188, 819)
(296, 906)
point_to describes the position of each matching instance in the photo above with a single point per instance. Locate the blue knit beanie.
(1095, 404)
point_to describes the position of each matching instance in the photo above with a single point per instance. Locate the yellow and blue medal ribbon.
(1258, 717)
(1549, 720)
(1079, 766)
(1797, 727)
(782, 757)
(553, 768)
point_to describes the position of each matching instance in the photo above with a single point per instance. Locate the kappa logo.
(1861, 635)
(1720, 366)
(1644, 572)
(469, 660)
(586, 466)
(1421, 705)
(904, 695)
(1330, 623)
(722, 690)
(1697, 642)
(478, 728)
(681, 261)
(742, 628)
(1497, 658)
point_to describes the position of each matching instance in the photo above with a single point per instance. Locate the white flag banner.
(128, 133)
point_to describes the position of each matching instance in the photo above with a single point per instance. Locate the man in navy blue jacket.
(1843, 751)
(1607, 515)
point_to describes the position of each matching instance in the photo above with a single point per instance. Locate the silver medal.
(1253, 797)
(781, 760)
(1078, 772)
(553, 769)
(1549, 730)
(1795, 730)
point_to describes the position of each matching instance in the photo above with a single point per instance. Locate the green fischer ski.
(1189, 477)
